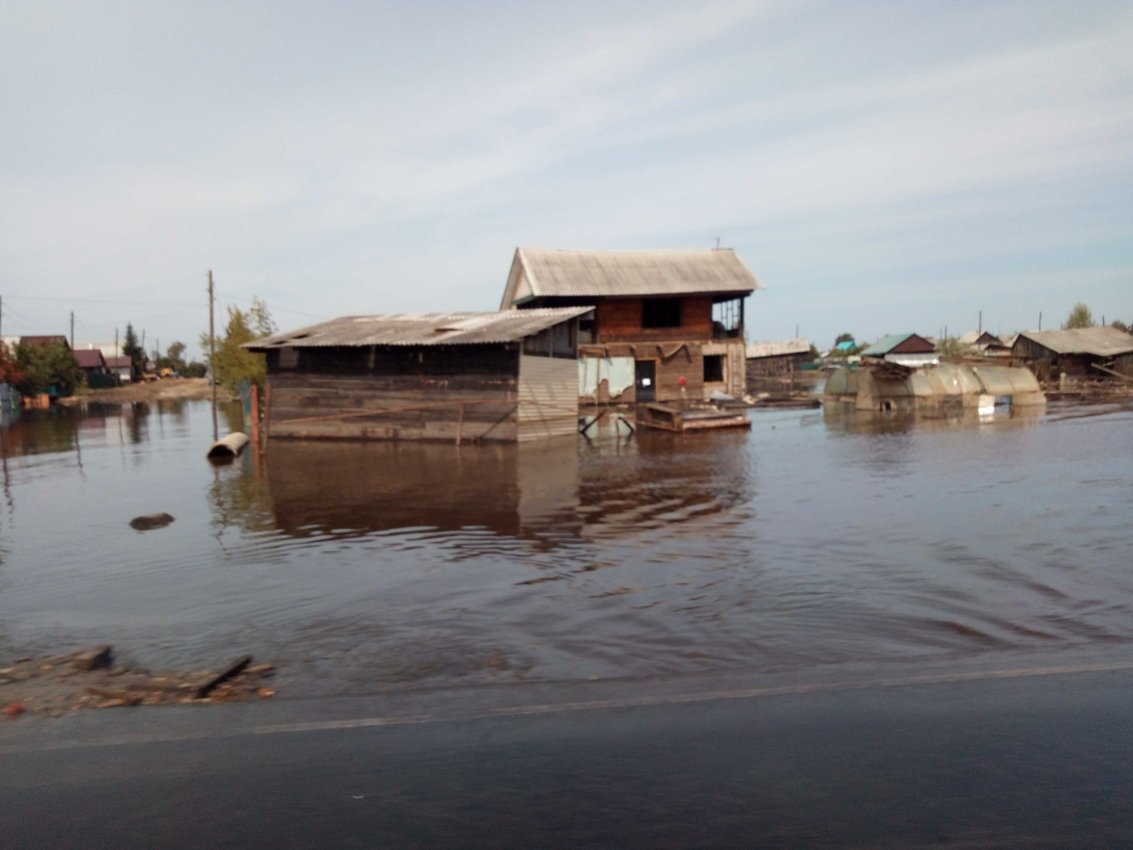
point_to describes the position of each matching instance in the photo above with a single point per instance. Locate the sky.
(881, 167)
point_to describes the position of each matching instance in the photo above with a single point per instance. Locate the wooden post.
(460, 425)
(212, 362)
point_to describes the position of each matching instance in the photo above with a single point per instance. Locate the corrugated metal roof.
(778, 349)
(582, 274)
(1104, 342)
(888, 343)
(412, 329)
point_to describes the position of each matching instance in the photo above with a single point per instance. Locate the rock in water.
(145, 523)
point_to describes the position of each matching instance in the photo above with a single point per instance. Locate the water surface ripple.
(809, 541)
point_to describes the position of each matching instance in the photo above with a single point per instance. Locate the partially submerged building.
(941, 389)
(774, 359)
(1080, 354)
(666, 325)
(460, 377)
(903, 349)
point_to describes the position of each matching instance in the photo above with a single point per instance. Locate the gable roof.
(44, 340)
(551, 273)
(89, 358)
(1104, 341)
(888, 344)
(414, 329)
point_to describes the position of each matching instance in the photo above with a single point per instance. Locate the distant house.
(459, 377)
(121, 366)
(905, 349)
(770, 359)
(91, 361)
(1077, 354)
(984, 342)
(666, 326)
(45, 340)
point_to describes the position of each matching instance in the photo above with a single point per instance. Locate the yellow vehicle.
(165, 373)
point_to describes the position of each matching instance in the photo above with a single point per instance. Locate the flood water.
(806, 543)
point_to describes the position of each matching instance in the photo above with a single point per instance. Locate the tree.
(846, 337)
(174, 358)
(234, 364)
(1121, 326)
(46, 366)
(9, 369)
(1080, 317)
(133, 349)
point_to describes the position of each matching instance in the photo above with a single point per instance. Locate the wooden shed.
(459, 377)
(1079, 354)
(667, 325)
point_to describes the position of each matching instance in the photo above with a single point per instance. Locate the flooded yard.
(809, 543)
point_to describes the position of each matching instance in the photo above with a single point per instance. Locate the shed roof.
(778, 349)
(542, 273)
(1103, 342)
(119, 361)
(414, 329)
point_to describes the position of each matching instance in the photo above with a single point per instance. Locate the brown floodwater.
(810, 542)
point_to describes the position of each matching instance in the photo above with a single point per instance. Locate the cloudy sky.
(881, 167)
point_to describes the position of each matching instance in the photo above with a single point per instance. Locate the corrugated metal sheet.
(548, 397)
(778, 349)
(1103, 342)
(415, 329)
(582, 274)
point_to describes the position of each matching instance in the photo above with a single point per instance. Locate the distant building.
(772, 359)
(905, 349)
(1077, 354)
(666, 326)
(122, 367)
(460, 377)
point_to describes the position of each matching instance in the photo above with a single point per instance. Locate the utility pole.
(1040, 320)
(117, 350)
(212, 361)
(72, 330)
(981, 325)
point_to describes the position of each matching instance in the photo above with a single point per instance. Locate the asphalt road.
(1042, 758)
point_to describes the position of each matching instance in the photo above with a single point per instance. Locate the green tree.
(1120, 325)
(1080, 317)
(234, 364)
(47, 366)
(846, 337)
(174, 358)
(132, 348)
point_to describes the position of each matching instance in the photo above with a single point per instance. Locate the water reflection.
(842, 421)
(350, 489)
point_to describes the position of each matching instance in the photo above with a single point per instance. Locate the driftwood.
(233, 669)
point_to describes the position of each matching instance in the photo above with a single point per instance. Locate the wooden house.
(1079, 354)
(774, 359)
(460, 377)
(667, 325)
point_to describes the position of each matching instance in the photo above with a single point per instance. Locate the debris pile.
(92, 679)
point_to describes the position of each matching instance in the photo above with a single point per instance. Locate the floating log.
(150, 521)
(232, 670)
(228, 447)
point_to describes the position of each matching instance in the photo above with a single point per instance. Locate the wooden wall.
(619, 319)
(358, 394)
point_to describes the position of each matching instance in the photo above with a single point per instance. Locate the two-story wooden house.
(667, 325)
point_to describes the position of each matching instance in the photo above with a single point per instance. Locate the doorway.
(645, 380)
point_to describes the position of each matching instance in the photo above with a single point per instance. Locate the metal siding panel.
(548, 397)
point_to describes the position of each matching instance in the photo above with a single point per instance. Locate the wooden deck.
(664, 417)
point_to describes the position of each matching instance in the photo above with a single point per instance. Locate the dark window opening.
(713, 367)
(661, 313)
